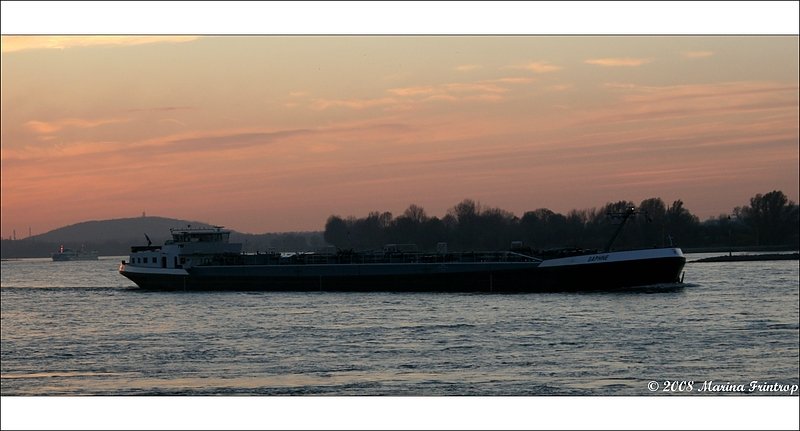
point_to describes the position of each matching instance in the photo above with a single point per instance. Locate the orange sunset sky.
(276, 133)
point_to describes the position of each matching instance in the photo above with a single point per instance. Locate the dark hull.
(491, 279)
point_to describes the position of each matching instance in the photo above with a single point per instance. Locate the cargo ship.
(205, 259)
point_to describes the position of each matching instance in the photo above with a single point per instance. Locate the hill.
(115, 230)
(114, 238)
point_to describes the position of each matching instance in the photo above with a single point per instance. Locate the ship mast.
(630, 211)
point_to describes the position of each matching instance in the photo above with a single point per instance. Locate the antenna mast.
(630, 211)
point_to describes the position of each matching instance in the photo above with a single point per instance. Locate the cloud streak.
(26, 43)
(618, 62)
(467, 67)
(357, 104)
(400, 98)
(162, 109)
(697, 54)
(47, 127)
(537, 67)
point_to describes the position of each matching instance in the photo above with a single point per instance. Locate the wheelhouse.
(188, 246)
(190, 235)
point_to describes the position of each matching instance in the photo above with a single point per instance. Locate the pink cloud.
(512, 80)
(24, 43)
(694, 96)
(48, 127)
(467, 67)
(538, 67)
(162, 109)
(322, 104)
(474, 87)
(414, 91)
(619, 62)
(490, 90)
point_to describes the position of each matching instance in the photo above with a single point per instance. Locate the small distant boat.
(68, 254)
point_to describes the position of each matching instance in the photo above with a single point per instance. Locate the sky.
(269, 133)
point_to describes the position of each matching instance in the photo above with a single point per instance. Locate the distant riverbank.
(741, 249)
(750, 257)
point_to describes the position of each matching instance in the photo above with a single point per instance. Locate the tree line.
(770, 219)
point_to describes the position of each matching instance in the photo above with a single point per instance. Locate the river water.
(80, 328)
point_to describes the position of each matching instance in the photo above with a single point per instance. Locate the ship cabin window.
(200, 236)
(153, 260)
(211, 237)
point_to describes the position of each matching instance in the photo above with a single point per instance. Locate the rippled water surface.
(80, 328)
